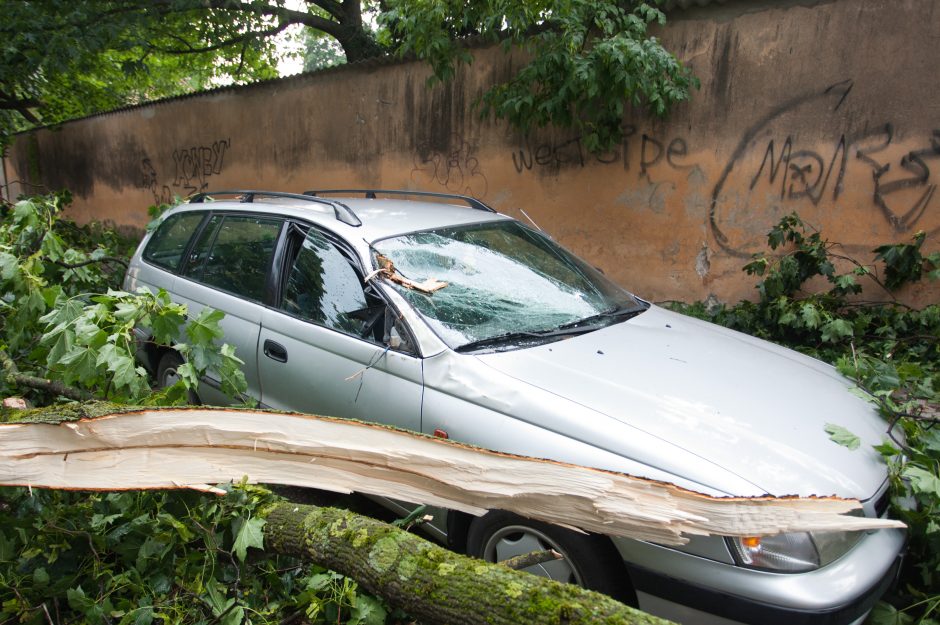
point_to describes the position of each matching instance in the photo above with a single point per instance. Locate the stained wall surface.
(827, 108)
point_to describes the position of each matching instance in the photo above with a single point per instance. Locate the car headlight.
(795, 552)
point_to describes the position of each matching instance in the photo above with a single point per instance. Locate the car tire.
(170, 361)
(588, 560)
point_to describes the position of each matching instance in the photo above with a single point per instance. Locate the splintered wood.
(196, 447)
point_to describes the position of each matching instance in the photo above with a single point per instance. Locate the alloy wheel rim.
(516, 540)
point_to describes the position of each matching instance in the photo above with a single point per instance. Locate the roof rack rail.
(371, 193)
(343, 213)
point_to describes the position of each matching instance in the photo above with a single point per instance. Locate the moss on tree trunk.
(432, 584)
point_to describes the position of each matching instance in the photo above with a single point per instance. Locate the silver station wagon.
(467, 324)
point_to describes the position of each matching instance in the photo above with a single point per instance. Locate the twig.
(103, 259)
(414, 518)
(531, 559)
(224, 612)
(48, 616)
(91, 544)
(292, 618)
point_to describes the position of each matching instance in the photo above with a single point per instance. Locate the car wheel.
(588, 560)
(167, 375)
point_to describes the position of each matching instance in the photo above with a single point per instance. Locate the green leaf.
(62, 346)
(887, 450)
(81, 363)
(152, 550)
(842, 436)
(166, 325)
(836, 329)
(205, 327)
(143, 615)
(886, 614)
(7, 548)
(126, 311)
(40, 576)
(9, 266)
(923, 482)
(367, 611)
(248, 534)
(126, 372)
(188, 375)
(810, 315)
(77, 599)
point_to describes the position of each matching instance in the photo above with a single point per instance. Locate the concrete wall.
(825, 108)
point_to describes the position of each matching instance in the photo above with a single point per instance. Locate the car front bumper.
(694, 589)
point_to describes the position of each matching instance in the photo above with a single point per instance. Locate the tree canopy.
(585, 59)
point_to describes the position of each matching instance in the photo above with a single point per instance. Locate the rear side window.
(239, 254)
(167, 245)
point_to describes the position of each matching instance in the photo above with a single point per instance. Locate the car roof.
(380, 218)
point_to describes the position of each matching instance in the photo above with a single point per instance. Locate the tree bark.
(436, 586)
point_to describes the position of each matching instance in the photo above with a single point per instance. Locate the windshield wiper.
(518, 337)
(581, 326)
(618, 314)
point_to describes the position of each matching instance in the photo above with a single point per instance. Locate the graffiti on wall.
(193, 166)
(456, 169)
(772, 166)
(642, 152)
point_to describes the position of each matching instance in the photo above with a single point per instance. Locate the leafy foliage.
(892, 353)
(56, 326)
(586, 59)
(135, 558)
(61, 60)
(132, 558)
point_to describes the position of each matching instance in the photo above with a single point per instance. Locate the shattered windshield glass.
(502, 283)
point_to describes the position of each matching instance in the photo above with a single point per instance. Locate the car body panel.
(707, 392)
(826, 589)
(476, 404)
(334, 374)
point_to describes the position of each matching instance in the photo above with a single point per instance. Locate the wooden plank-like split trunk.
(96, 446)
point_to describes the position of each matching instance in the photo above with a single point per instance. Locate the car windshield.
(505, 284)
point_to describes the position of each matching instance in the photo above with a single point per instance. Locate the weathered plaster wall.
(825, 108)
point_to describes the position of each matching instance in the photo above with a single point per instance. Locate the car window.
(323, 287)
(200, 251)
(499, 279)
(168, 243)
(240, 255)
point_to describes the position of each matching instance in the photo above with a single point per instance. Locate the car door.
(324, 348)
(227, 269)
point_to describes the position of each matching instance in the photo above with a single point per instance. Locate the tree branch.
(431, 584)
(103, 259)
(241, 39)
(288, 16)
(193, 447)
(526, 560)
(14, 376)
(9, 102)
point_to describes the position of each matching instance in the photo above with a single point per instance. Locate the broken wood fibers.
(105, 447)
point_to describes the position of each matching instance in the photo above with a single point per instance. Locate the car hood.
(750, 407)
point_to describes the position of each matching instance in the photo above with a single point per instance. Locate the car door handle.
(275, 351)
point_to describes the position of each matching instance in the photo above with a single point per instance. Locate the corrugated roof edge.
(379, 61)
(672, 5)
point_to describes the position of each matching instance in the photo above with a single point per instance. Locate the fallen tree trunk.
(104, 447)
(96, 446)
(430, 583)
